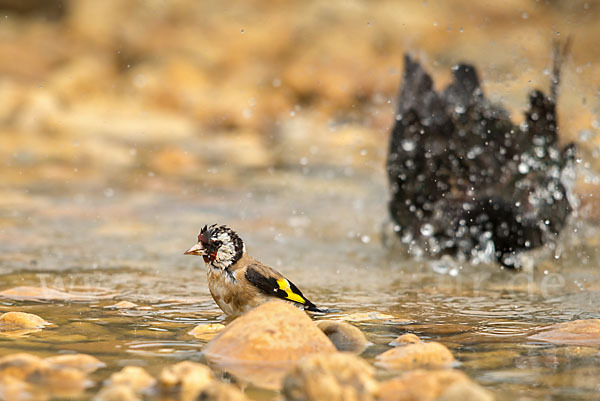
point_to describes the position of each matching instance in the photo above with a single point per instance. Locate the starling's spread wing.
(273, 284)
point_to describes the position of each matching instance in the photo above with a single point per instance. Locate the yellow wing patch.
(291, 295)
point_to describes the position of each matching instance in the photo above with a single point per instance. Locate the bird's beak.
(197, 250)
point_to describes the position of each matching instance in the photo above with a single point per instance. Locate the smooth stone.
(134, 377)
(405, 339)
(218, 391)
(122, 305)
(54, 379)
(577, 332)
(344, 336)
(416, 355)
(19, 320)
(186, 378)
(206, 331)
(117, 393)
(430, 385)
(83, 362)
(28, 293)
(337, 376)
(261, 345)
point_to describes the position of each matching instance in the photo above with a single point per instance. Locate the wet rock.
(468, 182)
(117, 393)
(187, 379)
(19, 323)
(27, 293)
(219, 391)
(344, 336)
(15, 389)
(133, 377)
(338, 376)
(37, 372)
(21, 320)
(577, 332)
(261, 345)
(422, 385)
(206, 331)
(122, 305)
(405, 339)
(21, 365)
(465, 391)
(412, 353)
(82, 362)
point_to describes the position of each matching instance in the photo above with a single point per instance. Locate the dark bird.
(236, 281)
(465, 180)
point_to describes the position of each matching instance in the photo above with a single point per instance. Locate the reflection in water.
(133, 250)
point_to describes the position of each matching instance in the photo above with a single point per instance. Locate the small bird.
(238, 282)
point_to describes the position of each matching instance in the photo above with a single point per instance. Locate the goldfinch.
(236, 281)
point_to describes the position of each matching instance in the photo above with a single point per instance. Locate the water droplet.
(408, 145)
(523, 168)
(460, 109)
(427, 230)
(365, 239)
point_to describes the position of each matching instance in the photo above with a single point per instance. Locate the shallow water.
(323, 229)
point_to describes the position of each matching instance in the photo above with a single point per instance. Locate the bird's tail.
(309, 306)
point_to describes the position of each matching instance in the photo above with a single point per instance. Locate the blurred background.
(115, 104)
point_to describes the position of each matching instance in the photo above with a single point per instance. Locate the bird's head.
(220, 246)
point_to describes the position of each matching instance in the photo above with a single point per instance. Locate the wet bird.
(465, 180)
(238, 282)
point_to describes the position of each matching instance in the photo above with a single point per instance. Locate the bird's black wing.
(278, 286)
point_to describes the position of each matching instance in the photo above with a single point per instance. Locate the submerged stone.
(186, 379)
(122, 305)
(411, 355)
(344, 336)
(261, 345)
(133, 377)
(577, 332)
(19, 323)
(82, 362)
(206, 331)
(424, 385)
(42, 378)
(465, 180)
(338, 376)
(117, 393)
(28, 293)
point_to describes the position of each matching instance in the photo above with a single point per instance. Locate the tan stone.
(21, 320)
(83, 362)
(206, 331)
(421, 385)
(134, 377)
(35, 371)
(335, 377)
(261, 345)
(417, 355)
(21, 365)
(186, 378)
(344, 336)
(219, 391)
(117, 393)
(405, 339)
(465, 391)
(28, 293)
(577, 332)
(122, 305)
